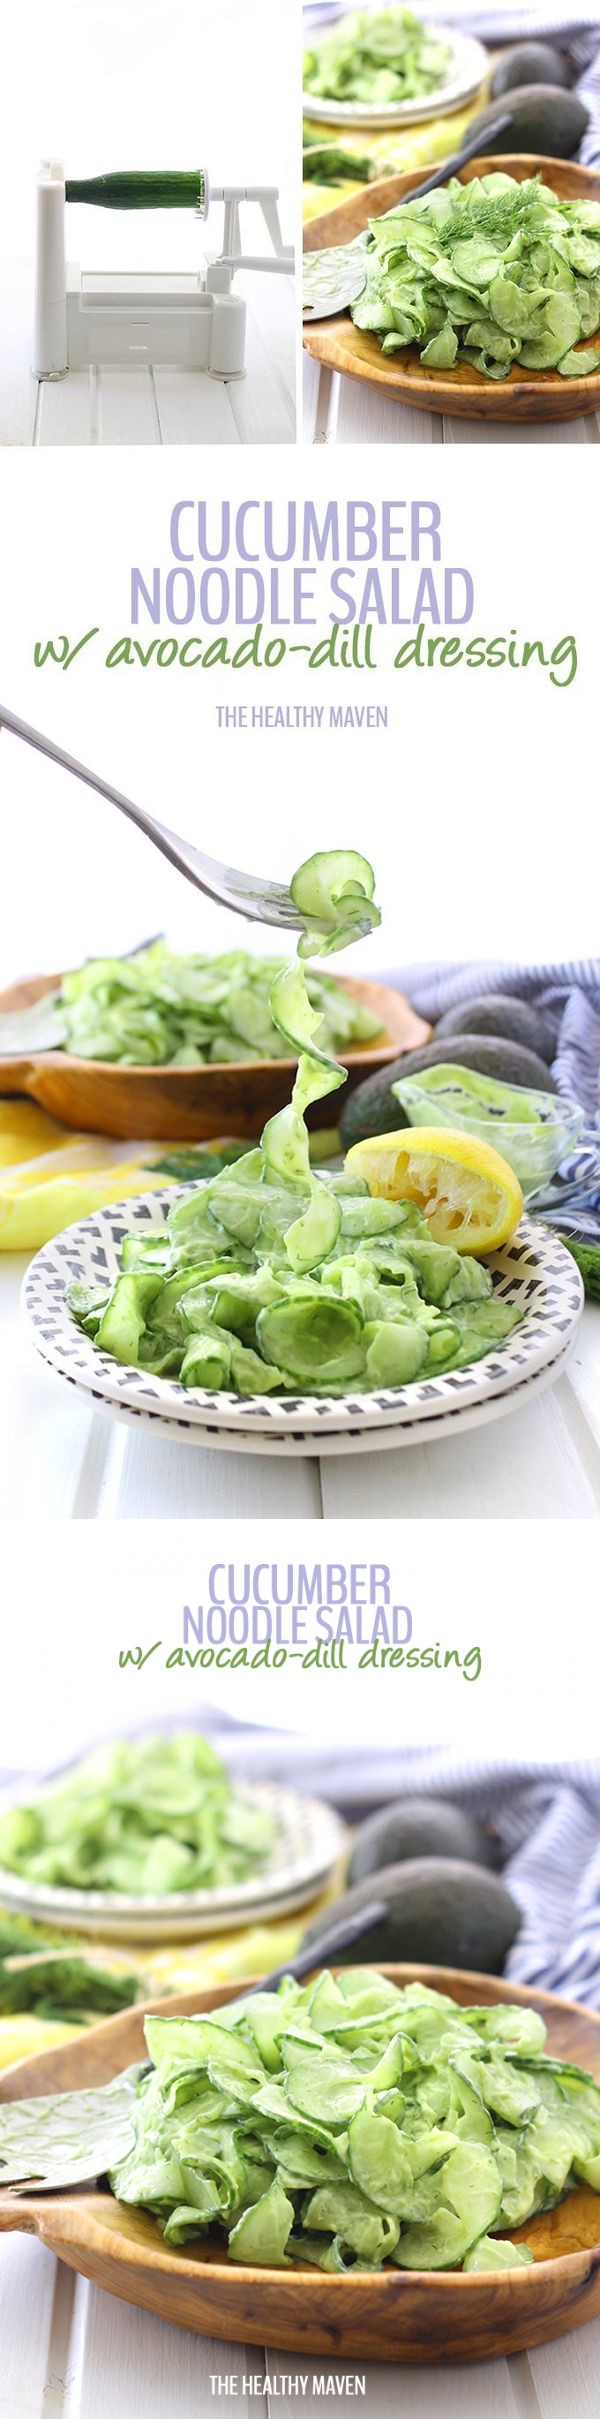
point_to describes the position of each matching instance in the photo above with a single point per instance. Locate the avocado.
(372, 1109)
(415, 1827)
(509, 1019)
(530, 63)
(542, 119)
(438, 1911)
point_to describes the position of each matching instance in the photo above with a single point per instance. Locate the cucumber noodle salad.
(160, 1009)
(347, 2123)
(143, 1817)
(272, 1279)
(376, 59)
(494, 273)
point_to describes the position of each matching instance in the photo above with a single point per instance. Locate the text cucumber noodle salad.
(495, 273)
(274, 1279)
(376, 60)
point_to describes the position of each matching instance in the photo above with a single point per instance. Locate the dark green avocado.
(417, 1826)
(438, 1911)
(510, 1020)
(372, 1109)
(542, 119)
(530, 63)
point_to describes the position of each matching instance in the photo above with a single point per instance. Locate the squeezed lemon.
(469, 1195)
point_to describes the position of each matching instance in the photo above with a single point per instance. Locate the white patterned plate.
(310, 1838)
(353, 1440)
(467, 67)
(533, 1271)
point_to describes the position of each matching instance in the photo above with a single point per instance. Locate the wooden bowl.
(393, 2316)
(191, 1104)
(463, 393)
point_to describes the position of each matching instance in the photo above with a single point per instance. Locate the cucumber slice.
(207, 1361)
(522, 2191)
(329, 2093)
(440, 2243)
(340, 2208)
(261, 2234)
(296, 1020)
(589, 2171)
(123, 1322)
(474, 2120)
(396, 1352)
(333, 892)
(511, 2094)
(470, 2196)
(315, 1234)
(380, 2162)
(314, 1341)
(489, 2254)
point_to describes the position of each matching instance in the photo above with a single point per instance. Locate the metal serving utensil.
(335, 277)
(254, 896)
(28, 2126)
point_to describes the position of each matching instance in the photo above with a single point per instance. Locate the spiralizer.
(130, 319)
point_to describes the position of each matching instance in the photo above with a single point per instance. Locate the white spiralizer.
(187, 320)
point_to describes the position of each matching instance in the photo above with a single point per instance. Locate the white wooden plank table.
(539, 1463)
(69, 2349)
(345, 411)
(146, 406)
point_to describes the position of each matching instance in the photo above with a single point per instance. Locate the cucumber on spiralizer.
(140, 189)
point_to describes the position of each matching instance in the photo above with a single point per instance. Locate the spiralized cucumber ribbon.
(494, 272)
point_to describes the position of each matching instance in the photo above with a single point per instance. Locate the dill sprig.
(497, 215)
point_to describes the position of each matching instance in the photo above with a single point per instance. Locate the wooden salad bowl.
(392, 2316)
(191, 1104)
(462, 393)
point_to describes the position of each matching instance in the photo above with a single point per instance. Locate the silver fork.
(252, 895)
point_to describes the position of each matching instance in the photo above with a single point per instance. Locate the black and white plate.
(533, 1271)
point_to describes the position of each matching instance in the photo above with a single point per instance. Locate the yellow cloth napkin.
(51, 1176)
(184, 1965)
(391, 150)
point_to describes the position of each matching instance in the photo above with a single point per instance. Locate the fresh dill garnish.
(500, 216)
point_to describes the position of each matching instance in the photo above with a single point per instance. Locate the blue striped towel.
(574, 29)
(546, 1818)
(570, 997)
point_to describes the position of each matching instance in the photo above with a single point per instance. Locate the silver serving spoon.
(252, 895)
(334, 278)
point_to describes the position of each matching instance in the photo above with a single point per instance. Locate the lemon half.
(469, 1195)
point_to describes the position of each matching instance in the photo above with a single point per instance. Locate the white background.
(475, 805)
(113, 84)
(71, 1603)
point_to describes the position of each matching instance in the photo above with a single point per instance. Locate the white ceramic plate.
(310, 1840)
(467, 66)
(534, 1271)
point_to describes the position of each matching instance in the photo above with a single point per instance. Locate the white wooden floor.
(68, 2348)
(344, 411)
(63, 1462)
(145, 406)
